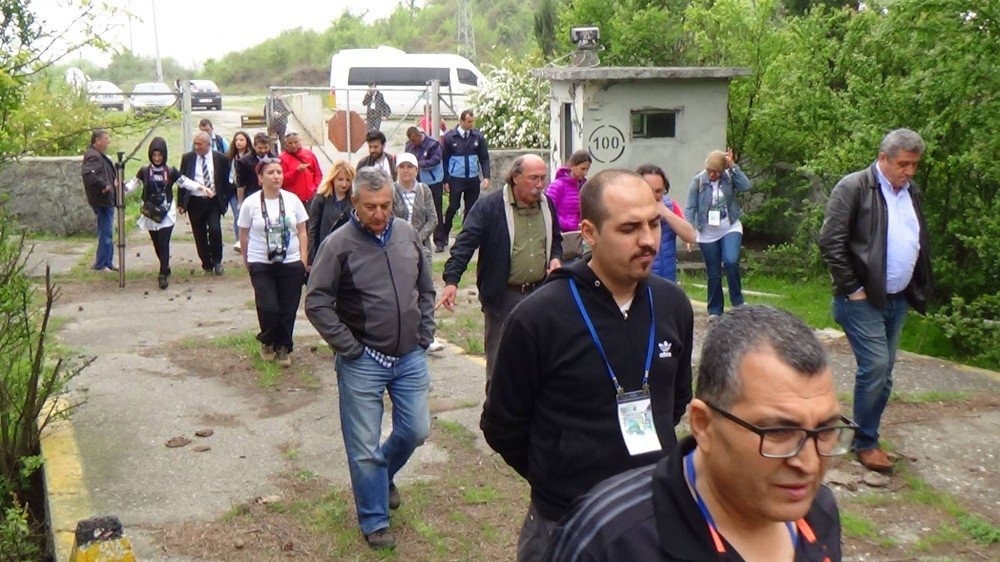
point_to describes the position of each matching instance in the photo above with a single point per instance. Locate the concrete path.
(136, 395)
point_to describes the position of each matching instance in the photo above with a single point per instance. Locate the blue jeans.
(874, 337)
(723, 252)
(105, 237)
(234, 206)
(361, 383)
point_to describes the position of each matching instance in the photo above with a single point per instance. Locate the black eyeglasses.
(786, 442)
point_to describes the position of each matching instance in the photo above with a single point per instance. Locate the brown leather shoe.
(875, 459)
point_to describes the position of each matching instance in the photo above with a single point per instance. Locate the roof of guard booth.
(639, 72)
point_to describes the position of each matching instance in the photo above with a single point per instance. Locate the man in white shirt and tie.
(205, 207)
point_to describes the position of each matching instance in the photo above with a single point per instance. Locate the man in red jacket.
(301, 169)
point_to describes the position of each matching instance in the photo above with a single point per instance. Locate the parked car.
(105, 95)
(205, 94)
(152, 96)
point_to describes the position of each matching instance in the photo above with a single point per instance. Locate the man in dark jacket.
(371, 297)
(738, 488)
(205, 207)
(465, 156)
(377, 156)
(99, 179)
(517, 234)
(593, 370)
(428, 153)
(247, 182)
(875, 242)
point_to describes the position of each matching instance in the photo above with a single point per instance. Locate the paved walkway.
(137, 394)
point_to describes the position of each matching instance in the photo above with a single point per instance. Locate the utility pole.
(466, 32)
(156, 40)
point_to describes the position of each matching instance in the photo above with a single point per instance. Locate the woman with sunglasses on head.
(273, 233)
(240, 147)
(713, 211)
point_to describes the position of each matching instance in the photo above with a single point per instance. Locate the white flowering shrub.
(512, 107)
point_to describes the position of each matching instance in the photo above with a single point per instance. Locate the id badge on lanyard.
(635, 411)
(635, 419)
(714, 218)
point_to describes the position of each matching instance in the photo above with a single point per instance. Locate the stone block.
(45, 194)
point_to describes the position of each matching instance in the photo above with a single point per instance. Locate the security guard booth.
(628, 116)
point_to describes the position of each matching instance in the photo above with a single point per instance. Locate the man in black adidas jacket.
(552, 409)
(728, 492)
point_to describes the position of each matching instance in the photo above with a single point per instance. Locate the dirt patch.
(472, 511)
(290, 388)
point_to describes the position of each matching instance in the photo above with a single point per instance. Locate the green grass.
(456, 430)
(810, 298)
(945, 534)
(981, 530)
(246, 345)
(479, 495)
(928, 397)
(857, 525)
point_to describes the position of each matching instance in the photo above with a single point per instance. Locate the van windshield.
(396, 76)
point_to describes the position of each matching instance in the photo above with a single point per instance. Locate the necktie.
(206, 177)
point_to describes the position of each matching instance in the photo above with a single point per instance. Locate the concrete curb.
(66, 496)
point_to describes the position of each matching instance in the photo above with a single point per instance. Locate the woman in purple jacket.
(564, 191)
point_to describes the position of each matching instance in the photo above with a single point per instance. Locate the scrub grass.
(810, 298)
(471, 510)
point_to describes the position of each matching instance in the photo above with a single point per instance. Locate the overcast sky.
(192, 31)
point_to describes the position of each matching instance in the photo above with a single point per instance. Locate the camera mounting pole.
(120, 205)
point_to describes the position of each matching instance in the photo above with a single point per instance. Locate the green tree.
(546, 19)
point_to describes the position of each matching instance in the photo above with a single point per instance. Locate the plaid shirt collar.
(382, 238)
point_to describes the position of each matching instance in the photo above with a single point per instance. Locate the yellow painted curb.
(67, 498)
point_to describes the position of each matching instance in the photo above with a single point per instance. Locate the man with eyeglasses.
(517, 234)
(747, 484)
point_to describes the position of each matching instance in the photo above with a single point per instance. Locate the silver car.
(105, 95)
(152, 97)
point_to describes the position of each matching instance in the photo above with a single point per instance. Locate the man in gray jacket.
(371, 297)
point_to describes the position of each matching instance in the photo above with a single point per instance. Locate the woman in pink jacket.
(564, 191)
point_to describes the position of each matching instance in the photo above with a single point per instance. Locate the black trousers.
(459, 189)
(277, 289)
(494, 317)
(161, 244)
(440, 237)
(206, 225)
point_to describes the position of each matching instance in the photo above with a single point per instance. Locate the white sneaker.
(435, 346)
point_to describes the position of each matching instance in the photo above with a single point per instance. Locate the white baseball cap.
(406, 158)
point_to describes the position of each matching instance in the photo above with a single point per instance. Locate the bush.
(54, 120)
(512, 107)
(973, 327)
(29, 376)
(17, 541)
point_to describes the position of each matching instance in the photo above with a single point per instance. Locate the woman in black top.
(331, 207)
(240, 147)
(158, 211)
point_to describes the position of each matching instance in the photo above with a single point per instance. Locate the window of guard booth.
(652, 124)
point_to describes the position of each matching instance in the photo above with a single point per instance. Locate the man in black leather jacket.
(875, 242)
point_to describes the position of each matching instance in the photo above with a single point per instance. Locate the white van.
(402, 78)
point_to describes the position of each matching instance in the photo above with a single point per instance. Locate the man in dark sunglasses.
(747, 484)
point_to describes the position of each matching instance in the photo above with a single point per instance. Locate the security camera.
(585, 37)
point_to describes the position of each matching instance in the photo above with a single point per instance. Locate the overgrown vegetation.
(512, 108)
(30, 378)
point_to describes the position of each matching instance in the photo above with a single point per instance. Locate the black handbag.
(153, 211)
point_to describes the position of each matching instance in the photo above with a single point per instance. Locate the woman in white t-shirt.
(713, 211)
(274, 242)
